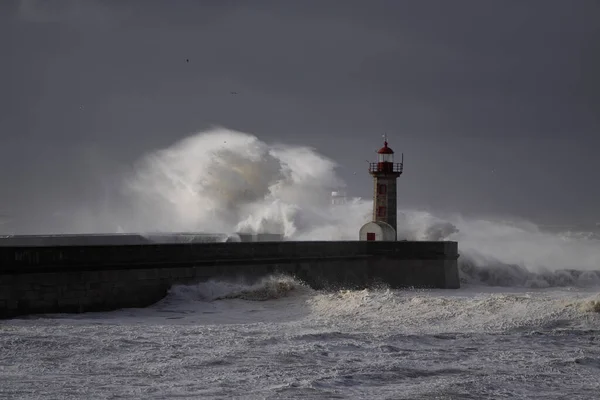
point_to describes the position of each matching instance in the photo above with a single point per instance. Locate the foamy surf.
(473, 310)
(592, 305)
(268, 288)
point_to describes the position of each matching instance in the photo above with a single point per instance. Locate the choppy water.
(279, 339)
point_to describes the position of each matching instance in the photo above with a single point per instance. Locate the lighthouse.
(385, 172)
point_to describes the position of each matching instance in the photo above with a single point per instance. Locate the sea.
(525, 323)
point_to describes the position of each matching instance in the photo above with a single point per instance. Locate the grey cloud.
(464, 88)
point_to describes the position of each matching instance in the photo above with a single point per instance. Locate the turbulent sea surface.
(279, 339)
(525, 324)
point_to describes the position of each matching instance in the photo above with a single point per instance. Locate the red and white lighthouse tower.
(385, 172)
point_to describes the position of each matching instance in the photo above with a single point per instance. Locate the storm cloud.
(495, 104)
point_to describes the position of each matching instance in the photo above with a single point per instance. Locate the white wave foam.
(269, 288)
(228, 181)
(592, 304)
(464, 311)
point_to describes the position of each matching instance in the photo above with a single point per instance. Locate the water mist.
(228, 181)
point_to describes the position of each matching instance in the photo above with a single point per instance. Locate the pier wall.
(64, 279)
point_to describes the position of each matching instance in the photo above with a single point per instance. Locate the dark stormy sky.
(496, 104)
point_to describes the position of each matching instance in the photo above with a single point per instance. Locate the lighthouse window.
(381, 189)
(386, 158)
(381, 211)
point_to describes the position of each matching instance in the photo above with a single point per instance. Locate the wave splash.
(228, 181)
(507, 275)
(500, 252)
(592, 305)
(465, 311)
(280, 298)
(269, 288)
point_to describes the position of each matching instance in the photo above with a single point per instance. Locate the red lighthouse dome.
(385, 154)
(385, 149)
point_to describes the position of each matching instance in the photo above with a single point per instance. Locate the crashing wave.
(496, 273)
(269, 288)
(228, 181)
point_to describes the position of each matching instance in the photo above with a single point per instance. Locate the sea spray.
(268, 288)
(592, 304)
(228, 181)
(442, 311)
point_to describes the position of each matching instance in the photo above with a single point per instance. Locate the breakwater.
(80, 278)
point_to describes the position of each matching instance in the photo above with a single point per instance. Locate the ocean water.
(280, 339)
(525, 323)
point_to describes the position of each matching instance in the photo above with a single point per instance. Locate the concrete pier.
(80, 278)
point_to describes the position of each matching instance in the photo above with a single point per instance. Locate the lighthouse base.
(377, 231)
